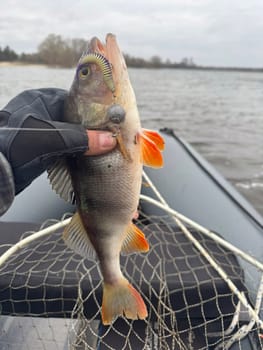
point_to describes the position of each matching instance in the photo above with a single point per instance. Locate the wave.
(249, 185)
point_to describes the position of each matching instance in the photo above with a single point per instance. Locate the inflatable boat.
(201, 280)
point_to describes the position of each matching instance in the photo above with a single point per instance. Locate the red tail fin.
(121, 299)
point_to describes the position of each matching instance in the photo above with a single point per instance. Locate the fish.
(106, 188)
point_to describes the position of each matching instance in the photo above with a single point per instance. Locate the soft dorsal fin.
(60, 180)
(150, 151)
(134, 241)
(76, 238)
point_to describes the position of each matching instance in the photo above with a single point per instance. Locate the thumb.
(100, 142)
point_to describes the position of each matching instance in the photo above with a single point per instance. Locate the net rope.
(201, 291)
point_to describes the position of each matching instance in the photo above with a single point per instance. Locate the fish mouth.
(112, 108)
(110, 50)
(95, 45)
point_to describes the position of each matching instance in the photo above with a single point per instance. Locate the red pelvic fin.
(155, 137)
(150, 151)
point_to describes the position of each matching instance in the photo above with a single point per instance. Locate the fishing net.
(201, 292)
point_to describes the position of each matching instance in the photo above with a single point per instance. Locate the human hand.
(100, 142)
(33, 136)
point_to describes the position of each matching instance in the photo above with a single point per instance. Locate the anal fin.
(134, 241)
(76, 238)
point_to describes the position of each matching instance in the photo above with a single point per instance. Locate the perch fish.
(107, 187)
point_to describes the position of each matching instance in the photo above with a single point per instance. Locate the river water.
(219, 113)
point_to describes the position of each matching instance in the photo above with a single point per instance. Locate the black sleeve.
(7, 190)
(30, 152)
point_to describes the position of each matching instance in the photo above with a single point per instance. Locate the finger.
(100, 142)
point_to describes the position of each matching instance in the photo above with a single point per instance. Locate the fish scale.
(111, 186)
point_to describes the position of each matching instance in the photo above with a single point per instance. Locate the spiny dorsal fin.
(150, 147)
(134, 241)
(60, 180)
(76, 238)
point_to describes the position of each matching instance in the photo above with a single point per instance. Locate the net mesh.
(190, 305)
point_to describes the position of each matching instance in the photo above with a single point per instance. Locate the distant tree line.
(59, 52)
(157, 62)
(7, 54)
(52, 51)
(56, 51)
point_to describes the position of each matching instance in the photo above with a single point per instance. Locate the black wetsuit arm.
(26, 153)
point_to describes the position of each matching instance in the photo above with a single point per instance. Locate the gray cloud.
(212, 32)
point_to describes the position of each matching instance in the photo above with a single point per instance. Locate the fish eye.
(84, 72)
(104, 66)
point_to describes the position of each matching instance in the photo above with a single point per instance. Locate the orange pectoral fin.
(150, 151)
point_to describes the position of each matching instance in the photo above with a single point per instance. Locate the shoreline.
(19, 63)
(200, 68)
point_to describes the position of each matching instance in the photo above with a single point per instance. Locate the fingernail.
(107, 141)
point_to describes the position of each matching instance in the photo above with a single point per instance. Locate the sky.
(211, 32)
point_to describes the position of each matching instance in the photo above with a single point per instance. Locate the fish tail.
(121, 299)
